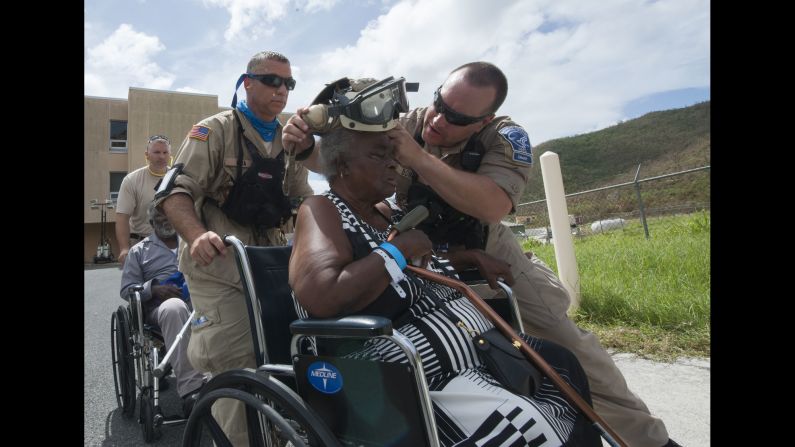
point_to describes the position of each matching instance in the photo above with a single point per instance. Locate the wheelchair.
(137, 369)
(307, 389)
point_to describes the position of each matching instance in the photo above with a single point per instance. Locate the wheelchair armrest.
(352, 326)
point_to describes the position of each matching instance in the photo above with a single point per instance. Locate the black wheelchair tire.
(279, 397)
(147, 417)
(123, 366)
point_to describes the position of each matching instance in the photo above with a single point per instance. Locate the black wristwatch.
(307, 152)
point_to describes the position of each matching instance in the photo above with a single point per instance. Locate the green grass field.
(650, 297)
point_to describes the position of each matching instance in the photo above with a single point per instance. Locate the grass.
(650, 297)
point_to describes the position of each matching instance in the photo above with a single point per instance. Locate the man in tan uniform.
(478, 164)
(136, 193)
(203, 206)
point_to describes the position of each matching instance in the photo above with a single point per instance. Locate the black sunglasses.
(453, 117)
(159, 137)
(272, 80)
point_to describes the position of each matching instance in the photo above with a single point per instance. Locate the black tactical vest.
(256, 197)
(446, 225)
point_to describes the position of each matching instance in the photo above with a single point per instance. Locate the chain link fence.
(609, 207)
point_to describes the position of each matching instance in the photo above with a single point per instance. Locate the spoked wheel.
(148, 411)
(123, 366)
(275, 415)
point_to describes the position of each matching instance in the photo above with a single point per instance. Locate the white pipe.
(561, 229)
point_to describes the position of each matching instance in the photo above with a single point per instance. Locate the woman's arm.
(325, 279)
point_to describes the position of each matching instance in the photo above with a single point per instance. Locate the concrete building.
(115, 134)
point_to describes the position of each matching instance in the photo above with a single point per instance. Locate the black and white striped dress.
(470, 406)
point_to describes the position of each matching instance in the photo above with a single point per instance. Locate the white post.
(561, 228)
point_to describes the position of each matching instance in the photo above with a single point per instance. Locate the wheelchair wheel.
(147, 416)
(276, 416)
(123, 366)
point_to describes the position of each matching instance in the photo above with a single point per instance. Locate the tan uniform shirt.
(507, 158)
(210, 167)
(136, 192)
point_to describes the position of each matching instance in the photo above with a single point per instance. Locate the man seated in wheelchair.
(152, 263)
(341, 265)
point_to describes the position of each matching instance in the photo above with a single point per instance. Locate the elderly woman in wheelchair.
(361, 382)
(340, 240)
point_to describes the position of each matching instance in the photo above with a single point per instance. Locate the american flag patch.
(199, 132)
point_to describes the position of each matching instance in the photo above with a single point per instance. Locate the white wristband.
(394, 272)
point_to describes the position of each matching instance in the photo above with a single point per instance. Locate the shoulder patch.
(520, 144)
(199, 132)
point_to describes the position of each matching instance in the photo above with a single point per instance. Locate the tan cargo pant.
(543, 302)
(221, 343)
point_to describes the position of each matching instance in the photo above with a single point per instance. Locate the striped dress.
(470, 406)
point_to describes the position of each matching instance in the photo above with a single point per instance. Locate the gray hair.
(259, 58)
(335, 148)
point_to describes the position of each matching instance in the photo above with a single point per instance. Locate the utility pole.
(104, 253)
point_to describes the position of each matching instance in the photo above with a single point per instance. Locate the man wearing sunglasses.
(235, 179)
(136, 193)
(470, 167)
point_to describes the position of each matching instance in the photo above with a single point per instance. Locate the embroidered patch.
(520, 144)
(199, 132)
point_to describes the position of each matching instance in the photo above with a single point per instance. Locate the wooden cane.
(609, 435)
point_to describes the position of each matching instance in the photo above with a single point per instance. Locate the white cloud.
(246, 17)
(571, 65)
(122, 60)
(319, 5)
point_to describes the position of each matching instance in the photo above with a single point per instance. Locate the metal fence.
(608, 206)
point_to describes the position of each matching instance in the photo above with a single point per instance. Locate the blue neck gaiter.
(267, 130)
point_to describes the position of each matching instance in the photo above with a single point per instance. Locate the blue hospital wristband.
(395, 253)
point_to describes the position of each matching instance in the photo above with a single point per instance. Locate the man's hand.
(123, 256)
(406, 148)
(205, 247)
(295, 135)
(162, 292)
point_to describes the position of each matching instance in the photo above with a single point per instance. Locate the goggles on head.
(364, 104)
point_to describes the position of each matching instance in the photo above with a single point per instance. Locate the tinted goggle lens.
(453, 117)
(273, 80)
(379, 105)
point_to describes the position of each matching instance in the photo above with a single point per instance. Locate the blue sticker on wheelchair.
(325, 377)
(520, 143)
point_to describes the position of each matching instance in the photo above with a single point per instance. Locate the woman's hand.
(490, 268)
(413, 244)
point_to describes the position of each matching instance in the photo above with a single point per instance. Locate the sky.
(573, 66)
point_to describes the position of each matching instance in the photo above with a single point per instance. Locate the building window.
(118, 136)
(115, 184)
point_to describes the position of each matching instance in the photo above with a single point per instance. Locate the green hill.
(662, 142)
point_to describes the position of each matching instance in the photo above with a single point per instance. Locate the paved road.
(677, 392)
